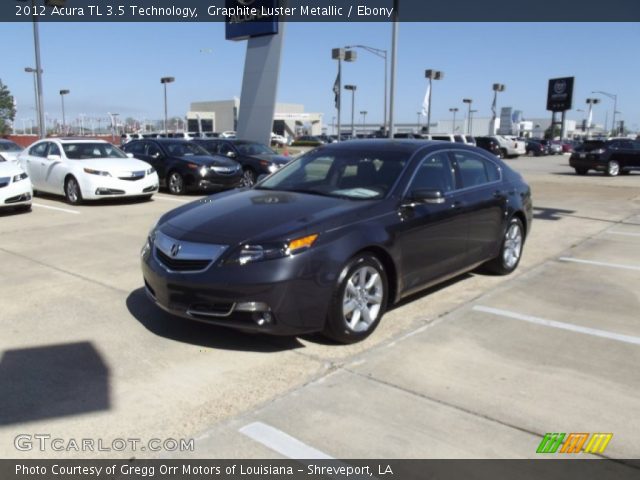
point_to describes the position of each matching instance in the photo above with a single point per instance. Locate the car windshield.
(86, 150)
(9, 147)
(254, 149)
(362, 175)
(184, 149)
(590, 145)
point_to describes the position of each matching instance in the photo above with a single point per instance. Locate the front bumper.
(16, 194)
(214, 182)
(291, 291)
(106, 187)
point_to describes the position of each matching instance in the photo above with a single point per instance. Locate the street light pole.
(418, 123)
(468, 101)
(164, 81)
(453, 127)
(341, 54)
(364, 119)
(497, 87)
(431, 75)
(384, 55)
(353, 89)
(614, 97)
(394, 62)
(35, 88)
(64, 122)
(591, 102)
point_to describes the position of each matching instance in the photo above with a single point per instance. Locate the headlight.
(148, 245)
(150, 170)
(203, 171)
(20, 176)
(258, 253)
(97, 172)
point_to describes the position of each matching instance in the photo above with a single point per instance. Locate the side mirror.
(129, 155)
(156, 155)
(231, 154)
(425, 196)
(54, 158)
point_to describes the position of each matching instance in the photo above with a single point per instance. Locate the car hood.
(255, 215)
(113, 165)
(9, 169)
(278, 159)
(209, 160)
(11, 156)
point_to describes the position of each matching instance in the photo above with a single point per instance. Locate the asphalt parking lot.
(481, 367)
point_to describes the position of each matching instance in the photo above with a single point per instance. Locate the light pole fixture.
(164, 81)
(591, 102)
(497, 87)
(384, 55)
(341, 54)
(431, 75)
(613, 97)
(353, 89)
(364, 118)
(468, 101)
(454, 110)
(64, 123)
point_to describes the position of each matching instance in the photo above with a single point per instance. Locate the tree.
(7, 109)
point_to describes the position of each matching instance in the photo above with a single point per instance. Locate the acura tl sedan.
(86, 170)
(15, 187)
(334, 238)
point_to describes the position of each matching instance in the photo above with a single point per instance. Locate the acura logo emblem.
(175, 249)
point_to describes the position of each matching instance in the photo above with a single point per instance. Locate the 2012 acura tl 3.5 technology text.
(334, 238)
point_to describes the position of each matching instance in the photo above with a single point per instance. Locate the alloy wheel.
(512, 246)
(176, 183)
(362, 300)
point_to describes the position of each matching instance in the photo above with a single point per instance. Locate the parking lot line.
(65, 210)
(171, 199)
(600, 264)
(281, 442)
(628, 234)
(561, 325)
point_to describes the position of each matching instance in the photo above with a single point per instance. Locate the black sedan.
(183, 165)
(490, 145)
(333, 239)
(614, 157)
(256, 159)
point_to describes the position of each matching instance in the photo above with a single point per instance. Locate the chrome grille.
(133, 176)
(185, 257)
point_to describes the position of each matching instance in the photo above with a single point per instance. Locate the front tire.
(613, 168)
(248, 178)
(510, 250)
(175, 183)
(359, 300)
(72, 191)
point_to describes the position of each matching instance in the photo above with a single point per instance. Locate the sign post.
(261, 66)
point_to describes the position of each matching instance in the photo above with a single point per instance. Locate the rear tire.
(510, 251)
(359, 300)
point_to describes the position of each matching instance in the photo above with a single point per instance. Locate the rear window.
(591, 145)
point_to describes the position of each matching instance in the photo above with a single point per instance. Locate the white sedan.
(15, 187)
(87, 170)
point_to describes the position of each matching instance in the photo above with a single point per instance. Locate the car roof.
(75, 140)
(385, 144)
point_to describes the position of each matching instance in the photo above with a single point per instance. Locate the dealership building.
(290, 120)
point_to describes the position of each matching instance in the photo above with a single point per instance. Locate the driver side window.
(39, 150)
(434, 173)
(53, 150)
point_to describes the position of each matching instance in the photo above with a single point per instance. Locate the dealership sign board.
(560, 94)
(251, 18)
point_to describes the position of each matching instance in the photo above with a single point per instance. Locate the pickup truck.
(510, 146)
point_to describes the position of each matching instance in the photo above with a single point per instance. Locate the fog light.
(262, 319)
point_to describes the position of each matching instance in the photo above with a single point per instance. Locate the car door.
(635, 155)
(54, 169)
(486, 200)
(33, 164)
(432, 238)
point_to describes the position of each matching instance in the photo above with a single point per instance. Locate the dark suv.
(490, 145)
(618, 156)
